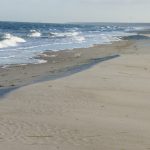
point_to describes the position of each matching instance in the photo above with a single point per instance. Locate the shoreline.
(19, 75)
(64, 63)
(104, 107)
(60, 74)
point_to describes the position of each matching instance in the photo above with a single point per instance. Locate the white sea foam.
(41, 61)
(65, 34)
(10, 41)
(13, 56)
(79, 39)
(73, 35)
(5, 66)
(34, 33)
(134, 29)
(56, 39)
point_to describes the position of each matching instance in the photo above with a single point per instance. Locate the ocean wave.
(55, 37)
(64, 34)
(6, 57)
(79, 39)
(74, 36)
(8, 40)
(136, 29)
(34, 33)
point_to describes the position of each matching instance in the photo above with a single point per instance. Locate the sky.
(61, 11)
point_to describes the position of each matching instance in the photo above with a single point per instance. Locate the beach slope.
(105, 107)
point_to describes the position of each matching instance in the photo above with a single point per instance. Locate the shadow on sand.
(62, 73)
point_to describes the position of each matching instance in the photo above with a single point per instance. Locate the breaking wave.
(34, 33)
(75, 36)
(64, 34)
(20, 43)
(8, 40)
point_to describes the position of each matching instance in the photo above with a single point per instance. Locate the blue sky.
(75, 10)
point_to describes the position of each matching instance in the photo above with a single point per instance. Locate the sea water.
(20, 43)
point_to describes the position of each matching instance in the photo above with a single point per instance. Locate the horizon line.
(77, 22)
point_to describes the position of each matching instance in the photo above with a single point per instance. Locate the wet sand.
(57, 62)
(106, 107)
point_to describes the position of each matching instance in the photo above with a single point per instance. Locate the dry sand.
(106, 107)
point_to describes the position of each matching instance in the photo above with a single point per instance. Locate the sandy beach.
(105, 107)
(18, 75)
